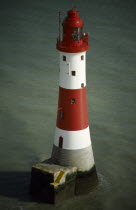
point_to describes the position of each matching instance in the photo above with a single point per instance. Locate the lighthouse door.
(66, 68)
(60, 142)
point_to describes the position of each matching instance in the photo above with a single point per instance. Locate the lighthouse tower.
(72, 142)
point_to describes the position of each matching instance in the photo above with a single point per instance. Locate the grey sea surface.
(29, 69)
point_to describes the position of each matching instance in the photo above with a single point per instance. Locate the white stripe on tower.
(72, 70)
(73, 139)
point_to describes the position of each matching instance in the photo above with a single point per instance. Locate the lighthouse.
(72, 142)
(72, 154)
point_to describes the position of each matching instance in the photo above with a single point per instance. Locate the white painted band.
(73, 139)
(72, 70)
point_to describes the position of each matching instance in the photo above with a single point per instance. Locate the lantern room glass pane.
(77, 34)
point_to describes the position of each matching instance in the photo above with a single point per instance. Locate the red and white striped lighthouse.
(72, 143)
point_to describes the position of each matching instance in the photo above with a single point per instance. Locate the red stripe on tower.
(72, 109)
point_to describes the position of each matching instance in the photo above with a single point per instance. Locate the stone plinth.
(52, 183)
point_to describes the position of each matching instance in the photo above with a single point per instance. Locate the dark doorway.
(60, 142)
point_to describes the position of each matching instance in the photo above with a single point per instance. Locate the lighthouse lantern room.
(72, 142)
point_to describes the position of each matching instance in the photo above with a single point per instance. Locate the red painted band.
(72, 109)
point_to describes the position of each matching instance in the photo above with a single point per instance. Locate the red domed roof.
(72, 19)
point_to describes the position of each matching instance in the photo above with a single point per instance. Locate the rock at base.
(52, 183)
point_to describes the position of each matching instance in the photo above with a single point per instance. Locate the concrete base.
(52, 183)
(81, 158)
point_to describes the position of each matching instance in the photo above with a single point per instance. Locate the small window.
(82, 85)
(62, 115)
(64, 58)
(73, 101)
(73, 73)
(82, 57)
(60, 142)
